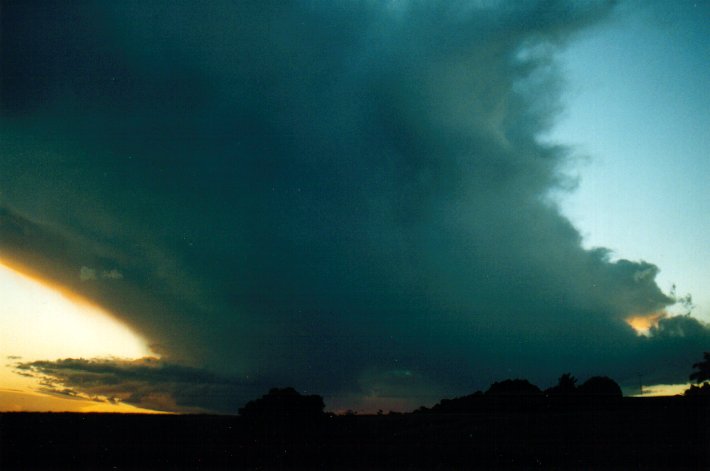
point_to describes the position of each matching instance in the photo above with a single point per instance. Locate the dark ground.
(631, 433)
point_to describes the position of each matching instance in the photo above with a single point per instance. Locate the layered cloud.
(147, 382)
(348, 198)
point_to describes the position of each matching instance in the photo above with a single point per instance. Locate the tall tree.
(703, 367)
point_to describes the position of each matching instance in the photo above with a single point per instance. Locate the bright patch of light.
(643, 324)
(40, 322)
(663, 390)
(19, 401)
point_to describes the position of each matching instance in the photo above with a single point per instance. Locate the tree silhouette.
(694, 390)
(513, 387)
(284, 405)
(566, 385)
(600, 386)
(463, 404)
(703, 367)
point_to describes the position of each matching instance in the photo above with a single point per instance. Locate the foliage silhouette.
(463, 404)
(513, 387)
(703, 367)
(702, 375)
(566, 386)
(600, 386)
(694, 390)
(284, 405)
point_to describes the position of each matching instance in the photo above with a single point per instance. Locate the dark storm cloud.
(314, 194)
(148, 383)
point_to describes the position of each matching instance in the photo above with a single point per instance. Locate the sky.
(640, 119)
(384, 203)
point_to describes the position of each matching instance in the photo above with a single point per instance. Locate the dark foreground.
(633, 433)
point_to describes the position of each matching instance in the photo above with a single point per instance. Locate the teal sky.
(636, 109)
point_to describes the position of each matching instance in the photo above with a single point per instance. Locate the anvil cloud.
(350, 198)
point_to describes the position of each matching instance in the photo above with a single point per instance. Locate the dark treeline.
(520, 394)
(482, 431)
(513, 424)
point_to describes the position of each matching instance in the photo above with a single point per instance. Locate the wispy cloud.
(90, 274)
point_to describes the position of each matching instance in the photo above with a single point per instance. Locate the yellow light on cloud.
(42, 322)
(19, 401)
(643, 324)
(663, 390)
(39, 322)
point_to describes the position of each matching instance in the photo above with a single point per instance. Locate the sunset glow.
(40, 322)
(663, 390)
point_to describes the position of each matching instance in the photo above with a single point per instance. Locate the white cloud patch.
(92, 274)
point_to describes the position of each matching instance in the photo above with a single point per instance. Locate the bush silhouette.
(284, 405)
(464, 404)
(600, 386)
(513, 387)
(694, 390)
(566, 386)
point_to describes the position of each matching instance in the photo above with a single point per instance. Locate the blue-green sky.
(370, 201)
(636, 107)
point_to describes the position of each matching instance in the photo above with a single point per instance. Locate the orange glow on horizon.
(40, 320)
(30, 401)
